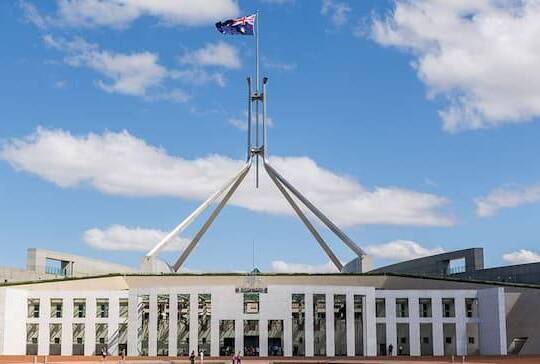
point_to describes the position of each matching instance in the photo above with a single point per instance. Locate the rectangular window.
(340, 324)
(251, 303)
(471, 307)
(56, 308)
(123, 308)
(426, 333)
(163, 325)
(448, 307)
(122, 338)
(79, 308)
(144, 317)
(319, 324)
(32, 335)
(33, 307)
(275, 337)
(403, 342)
(78, 339)
(205, 314)
(102, 307)
(358, 325)
(251, 337)
(226, 338)
(380, 307)
(102, 340)
(425, 307)
(402, 307)
(183, 325)
(298, 324)
(55, 339)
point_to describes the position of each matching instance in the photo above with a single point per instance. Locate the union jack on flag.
(239, 26)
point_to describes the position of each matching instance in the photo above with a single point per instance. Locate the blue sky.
(414, 125)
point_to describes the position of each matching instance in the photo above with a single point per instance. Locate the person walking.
(390, 349)
(192, 357)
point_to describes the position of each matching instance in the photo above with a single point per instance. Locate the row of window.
(425, 307)
(79, 308)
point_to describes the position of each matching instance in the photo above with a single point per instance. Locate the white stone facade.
(456, 334)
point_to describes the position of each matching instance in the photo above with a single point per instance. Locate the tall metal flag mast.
(256, 149)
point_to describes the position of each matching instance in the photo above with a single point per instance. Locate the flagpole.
(257, 72)
(257, 48)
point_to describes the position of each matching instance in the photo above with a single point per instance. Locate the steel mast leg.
(306, 222)
(210, 220)
(187, 221)
(342, 236)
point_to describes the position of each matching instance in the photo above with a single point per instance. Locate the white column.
(461, 325)
(309, 324)
(263, 337)
(438, 335)
(370, 324)
(173, 324)
(214, 332)
(90, 337)
(67, 329)
(152, 325)
(330, 346)
(349, 319)
(43, 335)
(391, 329)
(193, 321)
(414, 326)
(133, 325)
(239, 335)
(287, 329)
(113, 321)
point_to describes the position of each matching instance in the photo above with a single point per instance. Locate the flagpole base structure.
(256, 148)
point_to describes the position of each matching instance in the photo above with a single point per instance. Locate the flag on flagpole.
(240, 26)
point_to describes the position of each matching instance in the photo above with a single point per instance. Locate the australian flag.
(238, 26)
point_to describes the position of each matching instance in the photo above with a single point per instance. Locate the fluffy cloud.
(213, 54)
(401, 250)
(135, 74)
(502, 198)
(481, 55)
(521, 256)
(123, 238)
(337, 11)
(121, 164)
(120, 13)
(279, 266)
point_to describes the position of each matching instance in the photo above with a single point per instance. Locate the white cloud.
(336, 10)
(521, 256)
(121, 164)
(279, 266)
(502, 198)
(32, 15)
(401, 250)
(123, 238)
(121, 13)
(198, 76)
(241, 123)
(135, 74)
(213, 54)
(481, 55)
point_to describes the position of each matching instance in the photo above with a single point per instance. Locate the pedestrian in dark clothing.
(192, 357)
